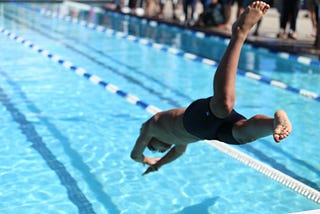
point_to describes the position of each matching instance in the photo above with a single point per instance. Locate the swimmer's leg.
(261, 126)
(224, 80)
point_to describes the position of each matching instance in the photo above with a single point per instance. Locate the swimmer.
(211, 118)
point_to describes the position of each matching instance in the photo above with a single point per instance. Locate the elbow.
(137, 158)
(133, 156)
(223, 106)
(180, 150)
(226, 106)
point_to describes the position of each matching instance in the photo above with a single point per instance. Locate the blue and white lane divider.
(300, 59)
(263, 168)
(82, 72)
(277, 175)
(183, 54)
(199, 34)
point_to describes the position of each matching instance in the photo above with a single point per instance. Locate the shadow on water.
(199, 208)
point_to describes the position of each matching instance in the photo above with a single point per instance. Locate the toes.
(280, 133)
(276, 138)
(260, 5)
(265, 8)
(254, 4)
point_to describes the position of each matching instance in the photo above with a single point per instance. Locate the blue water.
(66, 142)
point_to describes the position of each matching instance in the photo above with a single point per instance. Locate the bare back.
(167, 126)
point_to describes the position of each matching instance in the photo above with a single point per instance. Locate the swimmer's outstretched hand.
(152, 164)
(152, 168)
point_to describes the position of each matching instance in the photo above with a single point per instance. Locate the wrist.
(144, 159)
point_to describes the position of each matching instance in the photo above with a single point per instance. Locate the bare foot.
(282, 126)
(249, 18)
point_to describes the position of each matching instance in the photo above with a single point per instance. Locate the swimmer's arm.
(139, 147)
(172, 155)
(141, 144)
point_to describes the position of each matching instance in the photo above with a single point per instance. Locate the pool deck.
(303, 46)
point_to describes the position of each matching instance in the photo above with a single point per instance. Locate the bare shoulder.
(168, 115)
(167, 126)
(174, 111)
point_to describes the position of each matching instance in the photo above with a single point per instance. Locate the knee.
(228, 104)
(241, 136)
(258, 117)
(226, 108)
(223, 106)
(245, 139)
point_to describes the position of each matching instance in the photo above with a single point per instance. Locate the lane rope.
(270, 172)
(180, 53)
(199, 34)
(81, 72)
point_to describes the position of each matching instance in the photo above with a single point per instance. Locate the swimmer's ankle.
(239, 34)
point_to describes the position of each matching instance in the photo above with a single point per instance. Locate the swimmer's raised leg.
(223, 100)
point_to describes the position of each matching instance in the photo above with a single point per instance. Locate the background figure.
(212, 15)
(161, 8)
(151, 7)
(311, 6)
(117, 4)
(132, 5)
(289, 12)
(206, 3)
(317, 9)
(228, 5)
(174, 4)
(186, 3)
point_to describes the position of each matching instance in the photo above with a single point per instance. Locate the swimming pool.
(66, 141)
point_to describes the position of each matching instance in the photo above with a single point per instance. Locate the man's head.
(156, 145)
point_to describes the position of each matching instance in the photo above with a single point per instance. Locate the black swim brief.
(199, 121)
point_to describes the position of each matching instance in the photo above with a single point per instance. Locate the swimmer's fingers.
(151, 161)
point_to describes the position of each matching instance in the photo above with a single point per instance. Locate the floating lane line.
(263, 168)
(81, 72)
(270, 172)
(284, 55)
(177, 52)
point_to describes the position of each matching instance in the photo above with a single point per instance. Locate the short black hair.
(151, 148)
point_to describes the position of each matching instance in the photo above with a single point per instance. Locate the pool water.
(66, 142)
